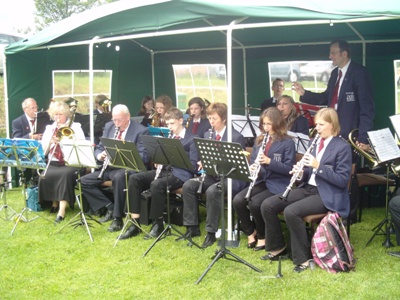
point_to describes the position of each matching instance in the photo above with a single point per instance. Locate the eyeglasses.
(118, 119)
(32, 108)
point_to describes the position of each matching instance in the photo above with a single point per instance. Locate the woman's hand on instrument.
(310, 161)
(264, 159)
(200, 166)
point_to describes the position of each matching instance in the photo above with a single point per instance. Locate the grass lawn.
(39, 263)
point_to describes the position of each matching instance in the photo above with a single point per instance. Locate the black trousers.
(394, 207)
(92, 192)
(246, 209)
(300, 202)
(140, 182)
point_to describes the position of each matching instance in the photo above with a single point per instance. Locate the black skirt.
(58, 183)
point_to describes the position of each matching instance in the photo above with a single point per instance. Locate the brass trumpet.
(369, 155)
(105, 104)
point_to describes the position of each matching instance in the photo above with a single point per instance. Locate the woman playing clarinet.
(273, 156)
(324, 173)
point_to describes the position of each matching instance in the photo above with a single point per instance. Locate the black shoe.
(132, 231)
(116, 225)
(191, 232)
(258, 248)
(252, 245)
(271, 257)
(210, 239)
(59, 219)
(156, 230)
(107, 217)
(54, 209)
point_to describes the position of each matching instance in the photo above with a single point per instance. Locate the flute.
(296, 174)
(203, 173)
(254, 174)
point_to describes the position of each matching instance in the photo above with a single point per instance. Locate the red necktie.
(119, 137)
(267, 146)
(32, 122)
(217, 137)
(336, 90)
(57, 151)
(321, 145)
(195, 127)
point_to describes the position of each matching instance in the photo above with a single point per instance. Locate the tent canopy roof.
(260, 24)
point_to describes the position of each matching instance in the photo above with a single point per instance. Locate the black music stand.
(225, 160)
(79, 154)
(22, 154)
(386, 150)
(42, 120)
(170, 153)
(124, 155)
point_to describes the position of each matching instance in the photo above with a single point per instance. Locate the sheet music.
(384, 144)
(79, 153)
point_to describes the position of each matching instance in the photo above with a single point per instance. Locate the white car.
(7, 38)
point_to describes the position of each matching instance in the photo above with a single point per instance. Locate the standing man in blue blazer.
(349, 92)
(158, 183)
(123, 128)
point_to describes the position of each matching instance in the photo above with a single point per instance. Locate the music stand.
(124, 154)
(225, 160)
(3, 196)
(170, 153)
(21, 154)
(42, 120)
(79, 154)
(301, 141)
(386, 150)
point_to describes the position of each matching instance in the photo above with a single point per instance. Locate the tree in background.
(52, 11)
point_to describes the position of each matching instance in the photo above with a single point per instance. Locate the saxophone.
(254, 174)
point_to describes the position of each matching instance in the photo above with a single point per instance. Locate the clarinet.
(203, 173)
(296, 174)
(159, 166)
(254, 174)
(107, 159)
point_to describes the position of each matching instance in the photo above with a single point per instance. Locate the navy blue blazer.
(268, 103)
(135, 130)
(276, 174)
(204, 126)
(300, 125)
(333, 175)
(21, 128)
(190, 148)
(237, 137)
(355, 107)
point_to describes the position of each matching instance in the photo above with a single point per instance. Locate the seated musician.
(275, 163)
(158, 183)
(147, 110)
(198, 123)
(123, 128)
(324, 172)
(162, 104)
(295, 122)
(57, 182)
(217, 114)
